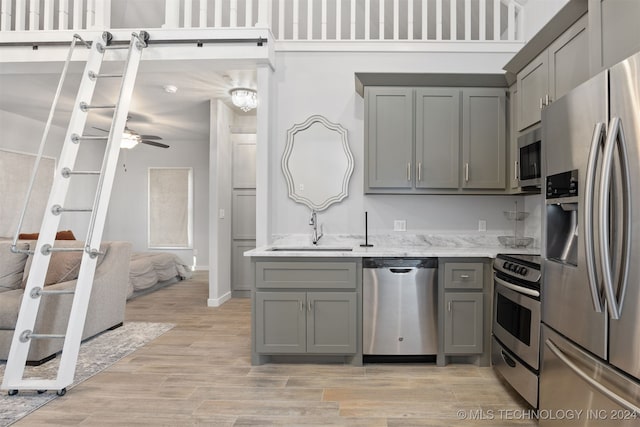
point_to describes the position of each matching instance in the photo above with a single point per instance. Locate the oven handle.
(519, 289)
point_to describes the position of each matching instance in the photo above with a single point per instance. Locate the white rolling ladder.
(24, 334)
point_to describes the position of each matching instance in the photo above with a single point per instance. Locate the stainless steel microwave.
(530, 159)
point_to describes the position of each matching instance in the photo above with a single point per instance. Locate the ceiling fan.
(131, 138)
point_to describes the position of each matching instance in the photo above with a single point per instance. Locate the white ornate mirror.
(317, 163)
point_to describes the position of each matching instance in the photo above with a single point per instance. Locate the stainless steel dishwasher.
(399, 306)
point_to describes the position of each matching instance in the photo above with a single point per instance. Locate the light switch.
(300, 187)
(221, 214)
(482, 225)
(399, 225)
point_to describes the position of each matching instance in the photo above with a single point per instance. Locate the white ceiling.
(183, 116)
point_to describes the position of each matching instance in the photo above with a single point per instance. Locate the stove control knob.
(523, 271)
(506, 265)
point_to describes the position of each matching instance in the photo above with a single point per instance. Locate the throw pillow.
(60, 235)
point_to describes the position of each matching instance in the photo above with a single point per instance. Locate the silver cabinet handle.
(589, 191)
(408, 171)
(449, 306)
(301, 305)
(541, 103)
(464, 276)
(466, 172)
(419, 171)
(310, 306)
(590, 381)
(615, 135)
(547, 99)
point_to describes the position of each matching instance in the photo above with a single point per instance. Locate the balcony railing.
(292, 20)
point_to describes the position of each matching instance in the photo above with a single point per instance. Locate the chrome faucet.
(314, 223)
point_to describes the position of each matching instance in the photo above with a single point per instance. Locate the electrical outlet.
(399, 225)
(195, 252)
(301, 187)
(221, 214)
(482, 225)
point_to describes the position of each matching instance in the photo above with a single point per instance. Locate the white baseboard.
(217, 302)
(201, 268)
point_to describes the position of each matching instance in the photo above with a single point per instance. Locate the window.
(170, 208)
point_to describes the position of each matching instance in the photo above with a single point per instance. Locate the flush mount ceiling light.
(244, 98)
(170, 88)
(129, 140)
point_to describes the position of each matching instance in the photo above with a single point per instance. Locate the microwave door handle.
(621, 401)
(519, 289)
(615, 138)
(594, 152)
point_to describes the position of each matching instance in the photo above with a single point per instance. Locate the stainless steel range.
(516, 322)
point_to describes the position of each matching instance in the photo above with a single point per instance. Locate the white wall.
(537, 13)
(323, 83)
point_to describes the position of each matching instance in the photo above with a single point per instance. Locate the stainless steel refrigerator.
(590, 371)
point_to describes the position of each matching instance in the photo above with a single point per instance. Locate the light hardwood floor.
(199, 373)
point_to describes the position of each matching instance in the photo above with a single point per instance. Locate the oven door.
(516, 320)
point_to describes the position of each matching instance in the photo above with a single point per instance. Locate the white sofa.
(106, 306)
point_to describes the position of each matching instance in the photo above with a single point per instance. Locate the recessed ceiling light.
(170, 88)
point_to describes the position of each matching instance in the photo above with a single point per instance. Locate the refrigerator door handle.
(621, 401)
(594, 152)
(615, 138)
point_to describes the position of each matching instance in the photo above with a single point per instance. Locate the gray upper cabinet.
(389, 132)
(456, 143)
(614, 33)
(533, 84)
(484, 138)
(514, 154)
(437, 138)
(558, 69)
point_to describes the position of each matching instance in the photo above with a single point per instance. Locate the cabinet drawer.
(463, 275)
(308, 274)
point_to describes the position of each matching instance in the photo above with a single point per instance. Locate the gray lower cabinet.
(305, 307)
(465, 309)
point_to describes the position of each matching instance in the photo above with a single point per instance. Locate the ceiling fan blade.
(154, 143)
(150, 137)
(103, 130)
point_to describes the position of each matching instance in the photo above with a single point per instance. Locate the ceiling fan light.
(244, 98)
(128, 140)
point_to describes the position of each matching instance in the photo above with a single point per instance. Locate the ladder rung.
(77, 138)
(15, 250)
(116, 47)
(57, 209)
(85, 107)
(46, 249)
(94, 76)
(37, 292)
(27, 335)
(66, 172)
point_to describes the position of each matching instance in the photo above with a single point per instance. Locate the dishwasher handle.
(401, 270)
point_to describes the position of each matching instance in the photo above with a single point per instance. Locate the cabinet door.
(533, 85)
(615, 33)
(437, 138)
(331, 322)
(484, 138)
(242, 274)
(280, 322)
(463, 322)
(568, 62)
(244, 160)
(514, 154)
(389, 137)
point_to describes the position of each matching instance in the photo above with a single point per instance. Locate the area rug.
(95, 355)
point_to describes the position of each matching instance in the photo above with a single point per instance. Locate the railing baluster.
(367, 19)
(202, 14)
(171, 14)
(425, 20)
(352, 30)
(381, 20)
(188, 13)
(438, 19)
(34, 15)
(103, 14)
(296, 24)
(63, 15)
(410, 21)
(233, 13)
(20, 15)
(467, 19)
(511, 21)
(453, 35)
(496, 20)
(324, 20)
(5, 16)
(89, 14)
(309, 19)
(338, 19)
(396, 20)
(482, 20)
(281, 19)
(217, 13)
(248, 13)
(77, 14)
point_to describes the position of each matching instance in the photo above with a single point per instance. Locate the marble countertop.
(422, 246)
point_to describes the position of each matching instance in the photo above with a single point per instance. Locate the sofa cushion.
(11, 266)
(9, 307)
(63, 266)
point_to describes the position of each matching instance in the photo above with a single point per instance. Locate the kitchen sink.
(307, 249)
